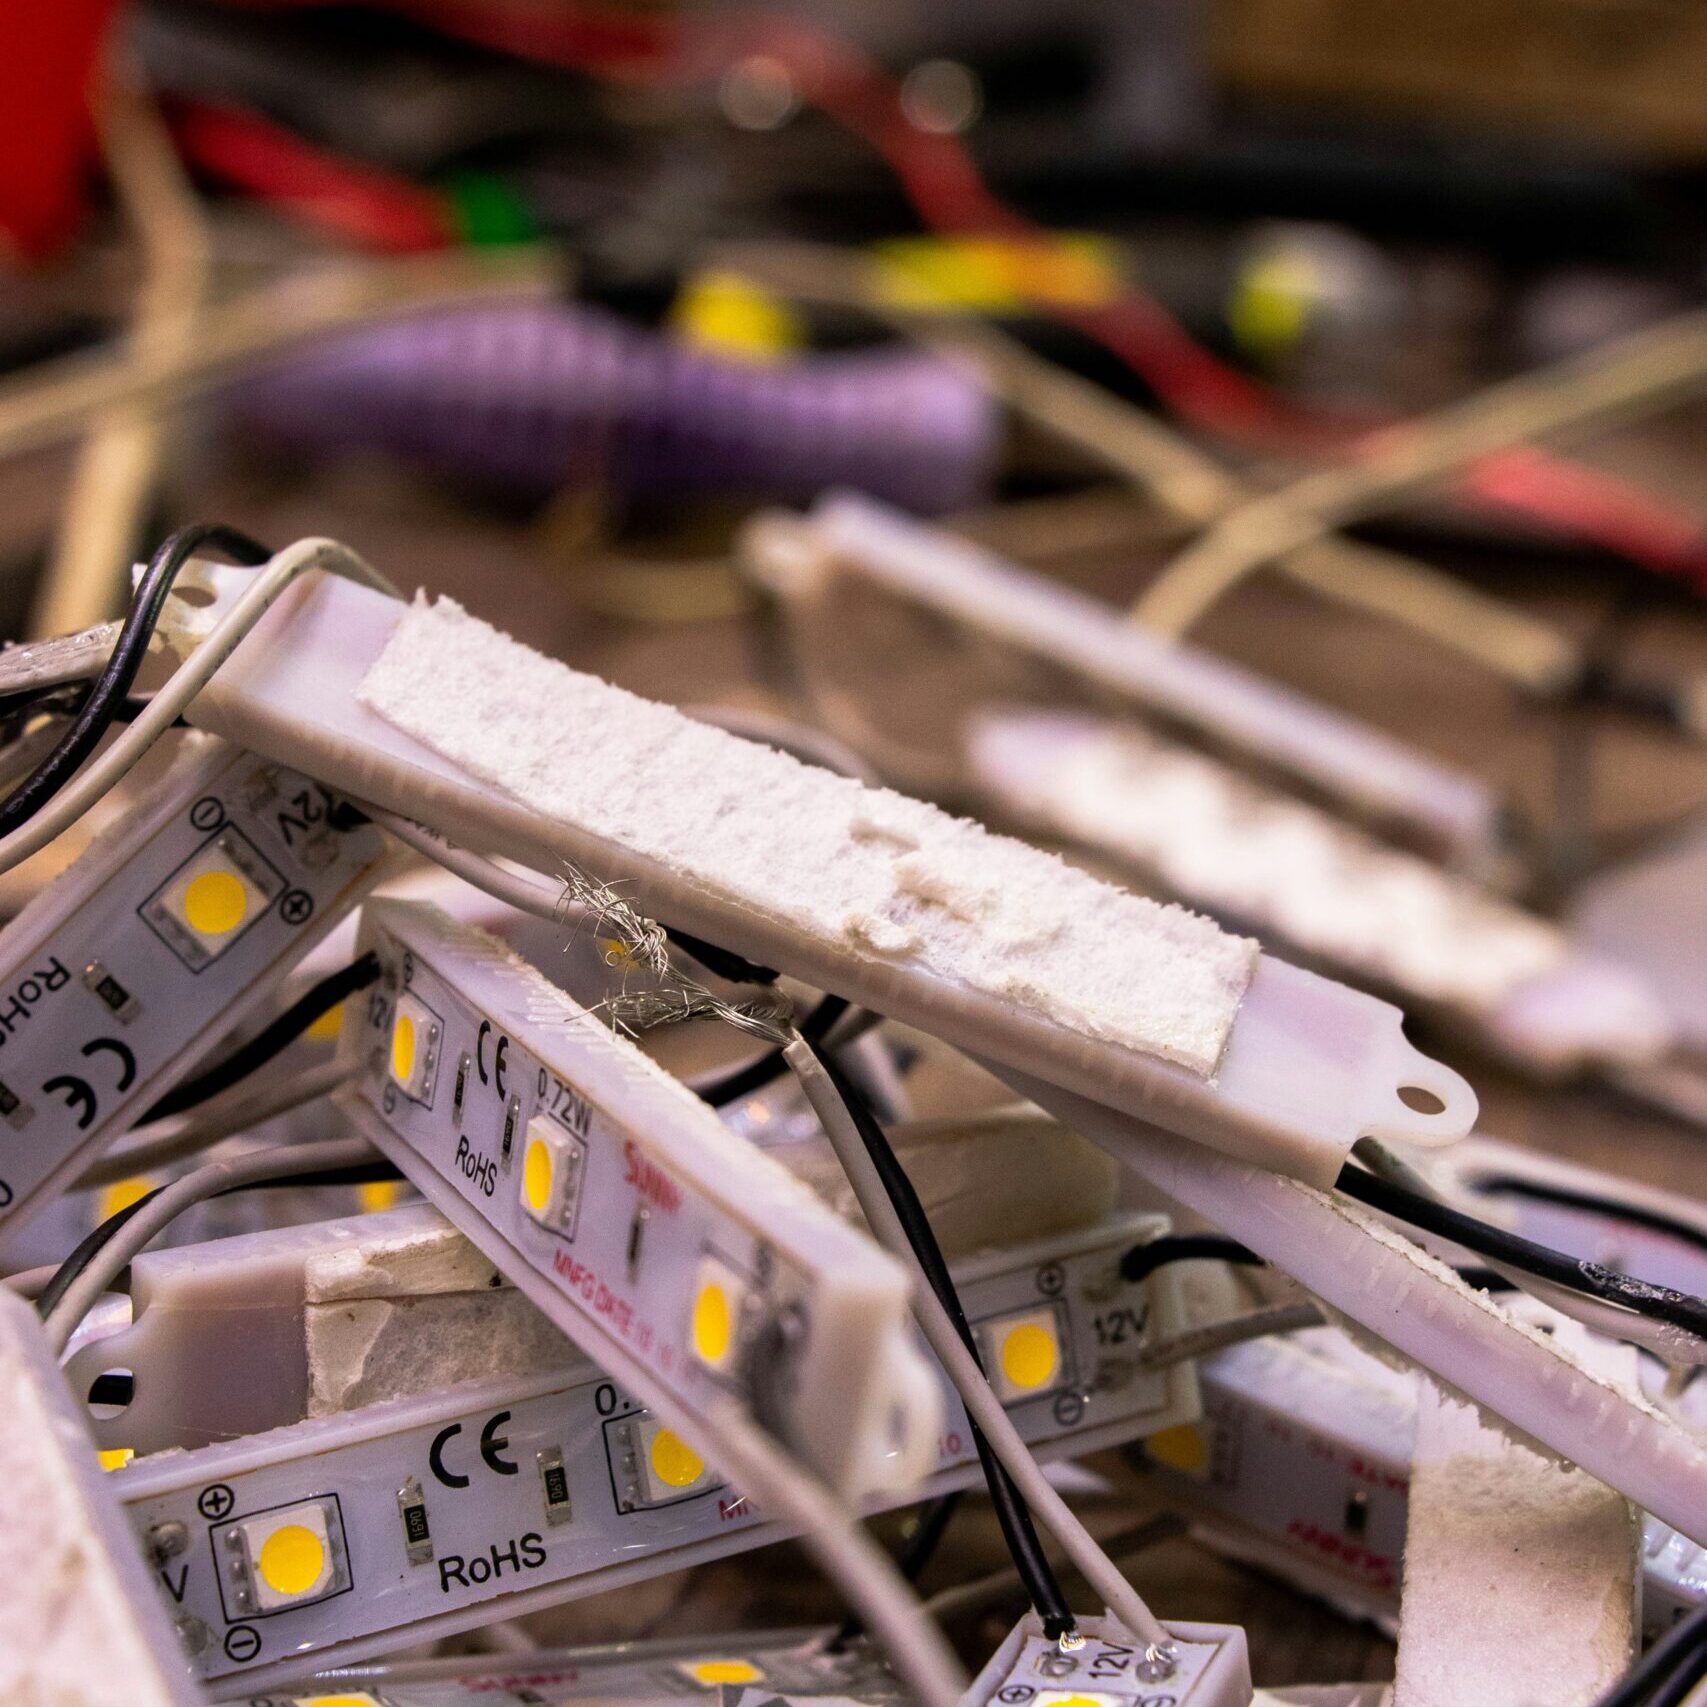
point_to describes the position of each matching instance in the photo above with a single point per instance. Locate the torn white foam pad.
(1252, 856)
(82, 1623)
(1521, 1575)
(977, 938)
(892, 877)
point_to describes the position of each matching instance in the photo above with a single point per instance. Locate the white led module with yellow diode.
(461, 1503)
(653, 1466)
(175, 924)
(683, 1259)
(292, 1556)
(220, 891)
(1024, 1353)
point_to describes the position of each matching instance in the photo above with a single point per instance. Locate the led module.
(714, 1326)
(291, 1556)
(550, 1186)
(1022, 1353)
(652, 1465)
(414, 1063)
(212, 899)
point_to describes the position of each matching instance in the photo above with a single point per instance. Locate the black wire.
(1041, 1585)
(360, 1173)
(1666, 1673)
(927, 1535)
(272, 1040)
(112, 686)
(1658, 1303)
(1142, 1261)
(725, 962)
(772, 1065)
(1514, 1185)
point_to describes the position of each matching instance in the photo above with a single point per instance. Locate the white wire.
(166, 1141)
(159, 1212)
(864, 1573)
(516, 889)
(981, 1403)
(109, 768)
(1231, 1330)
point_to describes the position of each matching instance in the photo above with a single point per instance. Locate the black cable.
(270, 1041)
(112, 686)
(772, 1065)
(1142, 1261)
(1042, 1587)
(1658, 1303)
(1667, 1672)
(1613, 1208)
(361, 1173)
(927, 1535)
(724, 962)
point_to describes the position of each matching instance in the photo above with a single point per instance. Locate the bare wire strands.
(628, 940)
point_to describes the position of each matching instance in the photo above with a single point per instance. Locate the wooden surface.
(529, 579)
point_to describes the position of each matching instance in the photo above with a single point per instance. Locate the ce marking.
(79, 1094)
(492, 1445)
(500, 1056)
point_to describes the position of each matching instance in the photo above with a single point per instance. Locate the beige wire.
(1627, 377)
(1189, 485)
(119, 460)
(53, 400)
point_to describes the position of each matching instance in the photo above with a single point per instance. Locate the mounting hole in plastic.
(1420, 1100)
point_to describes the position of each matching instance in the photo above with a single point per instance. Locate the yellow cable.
(1190, 485)
(1629, 376)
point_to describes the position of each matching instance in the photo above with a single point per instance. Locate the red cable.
(356, 201)
(943, 184)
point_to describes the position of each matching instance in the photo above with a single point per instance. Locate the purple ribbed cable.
(528, 397)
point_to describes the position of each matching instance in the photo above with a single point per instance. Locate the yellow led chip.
(550, 1186)
(288, 1557)
(715, 1673)
(415, 1034)
(672, 1461)
(1073, 1698)
(213, 898)
(363, 1699)
(293, 1560)
(652, 1465)
(719, 1294)
(1023, 1353)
